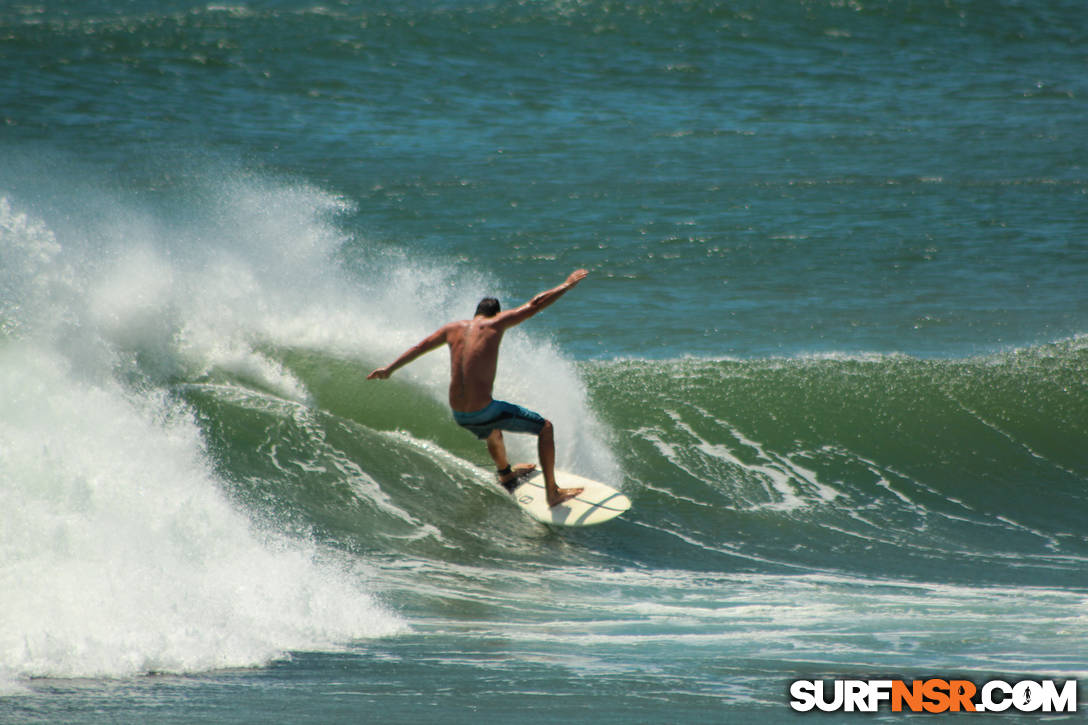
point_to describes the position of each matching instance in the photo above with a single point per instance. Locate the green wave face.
(924, 469)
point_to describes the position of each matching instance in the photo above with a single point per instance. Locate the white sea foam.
(119, 554)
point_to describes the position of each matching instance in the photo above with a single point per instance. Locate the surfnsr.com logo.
(933, 695)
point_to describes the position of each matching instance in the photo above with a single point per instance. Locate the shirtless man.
(474, 359)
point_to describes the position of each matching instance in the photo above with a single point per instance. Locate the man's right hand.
(380, 374)
(576, 276)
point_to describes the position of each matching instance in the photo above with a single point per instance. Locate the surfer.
(474, 359)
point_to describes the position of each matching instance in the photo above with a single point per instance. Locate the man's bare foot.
(563, 495)
(517, 472)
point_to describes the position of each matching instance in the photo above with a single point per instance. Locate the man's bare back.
(474, 356)
(474, 360)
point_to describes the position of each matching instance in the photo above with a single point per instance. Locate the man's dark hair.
(488, 307)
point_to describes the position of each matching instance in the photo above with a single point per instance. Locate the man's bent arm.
(432, 342)
(520, 314)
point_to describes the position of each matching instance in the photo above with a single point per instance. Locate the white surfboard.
(597, 504)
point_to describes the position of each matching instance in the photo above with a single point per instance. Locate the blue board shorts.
(502, 416)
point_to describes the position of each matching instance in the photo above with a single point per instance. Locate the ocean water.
(833, 344)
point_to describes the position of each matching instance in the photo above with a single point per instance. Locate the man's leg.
(496, 446)
(546, 450)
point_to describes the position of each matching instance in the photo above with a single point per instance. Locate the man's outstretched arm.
(520, 314)
(432, 342)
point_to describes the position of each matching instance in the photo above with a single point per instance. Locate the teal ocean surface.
(833, 345)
